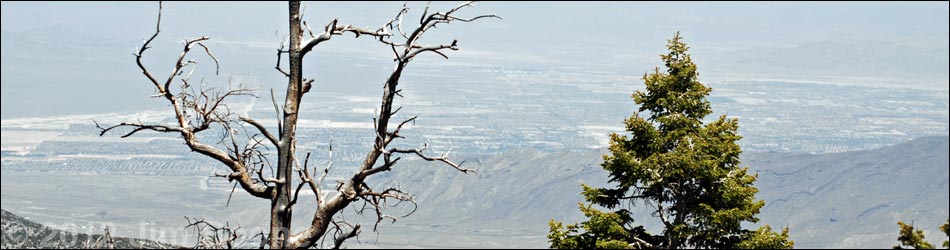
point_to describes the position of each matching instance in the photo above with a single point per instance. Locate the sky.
(76, 57)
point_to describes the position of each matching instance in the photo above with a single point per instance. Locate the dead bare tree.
(197, 110)
(102, 242)
(211, 236)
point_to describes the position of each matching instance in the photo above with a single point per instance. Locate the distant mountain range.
(867, 62)
(20, 233)
(844, 200)
(854, 199)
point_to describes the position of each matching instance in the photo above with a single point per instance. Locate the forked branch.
(196, 109)
(404, 51)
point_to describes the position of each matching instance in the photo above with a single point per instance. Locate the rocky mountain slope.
(20, 233)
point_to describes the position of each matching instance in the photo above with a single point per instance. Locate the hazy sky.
(75, 57)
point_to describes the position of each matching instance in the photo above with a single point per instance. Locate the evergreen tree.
(911, 239)
(604, 230)
(686, 171)
(764, 238)
(946, 229)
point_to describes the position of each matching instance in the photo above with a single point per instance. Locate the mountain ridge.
(851, 199)
(854, 198)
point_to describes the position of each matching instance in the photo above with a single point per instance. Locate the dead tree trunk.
(198, 110)
(281, 212)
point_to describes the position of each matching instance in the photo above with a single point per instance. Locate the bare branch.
(306, 179)
(281, 51)
(136, 128)
(460, 6)
(471, 19)
(396, 56)
(280, 126)
(387, 165)
(338, 241)
(180, 63)
(263, 130)
(333, 29)
(230, 194)
(452, 46)
(308, 29)
(145, 46)
(214, 237)
(109, 239)
(326, 171)
(217, 67)
(425, 12)
(443, 158)
(240, 172)
(379, 199)
(399, 18)
(397, 109)
(395, 134)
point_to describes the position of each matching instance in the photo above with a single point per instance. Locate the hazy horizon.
(888, 44)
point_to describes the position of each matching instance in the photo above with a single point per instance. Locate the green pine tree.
(946, 229)
(604, 230)
(911, 239)
(764, 238)
(686, 171)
